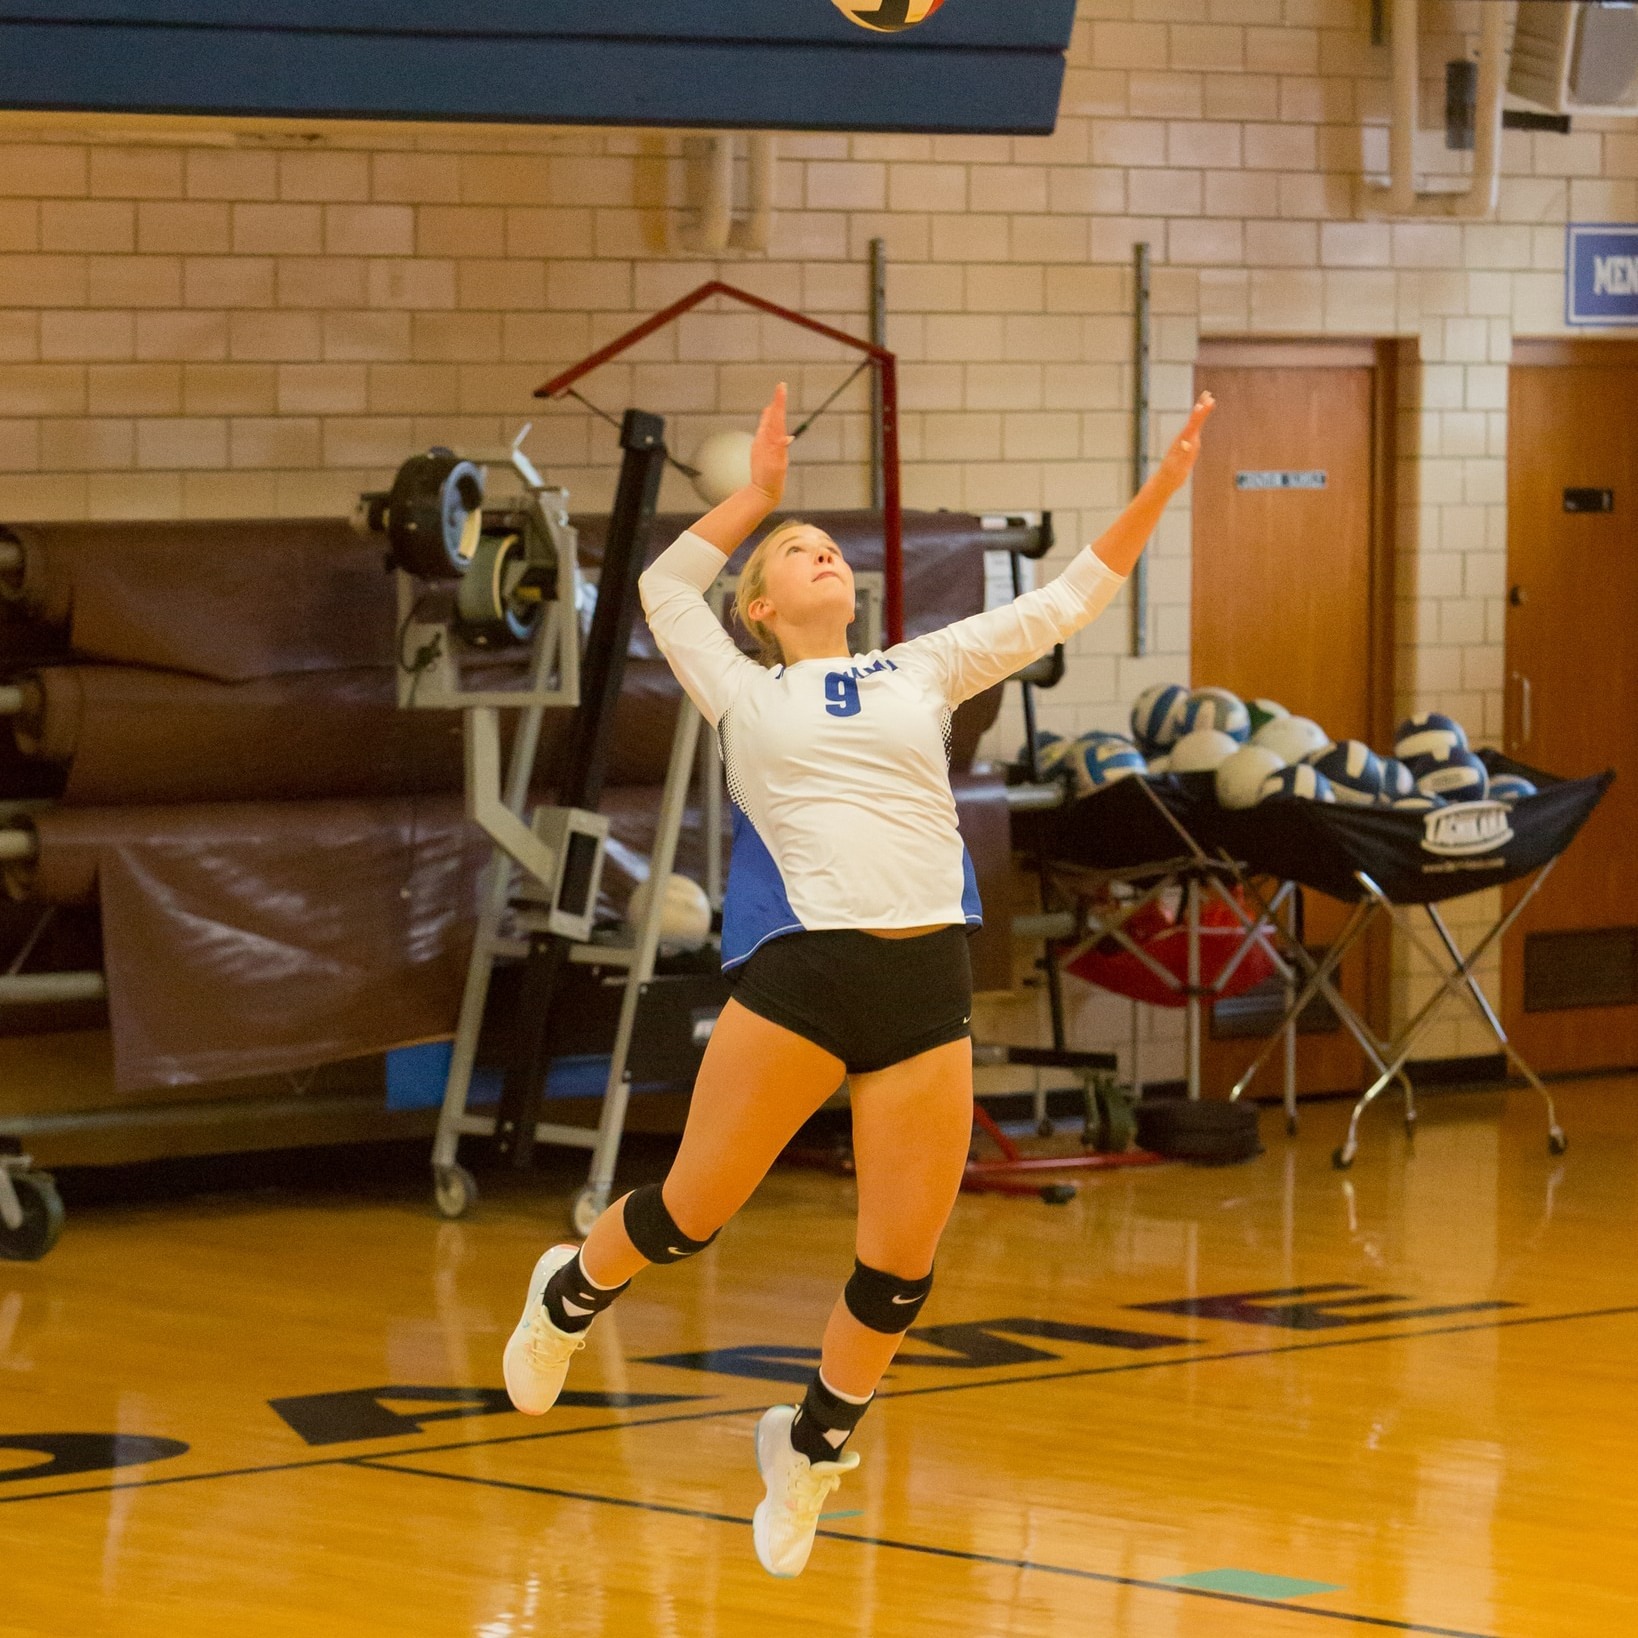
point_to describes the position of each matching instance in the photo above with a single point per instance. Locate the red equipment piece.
(1164, 938)
(1006, 1175)
(887, 369)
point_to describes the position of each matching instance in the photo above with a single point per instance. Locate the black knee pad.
(884, 1302)
(653, 1230)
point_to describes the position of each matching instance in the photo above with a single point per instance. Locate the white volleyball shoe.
(787, 1518)
(538, 1353)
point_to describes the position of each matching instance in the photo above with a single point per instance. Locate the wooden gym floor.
(1269, 1401)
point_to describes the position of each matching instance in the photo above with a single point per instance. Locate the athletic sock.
(573, 1300)
(825, 1419)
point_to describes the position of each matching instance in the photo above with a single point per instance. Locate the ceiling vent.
(1577, 58)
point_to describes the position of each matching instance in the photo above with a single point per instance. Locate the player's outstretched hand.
(1180, 458)
(770, 450)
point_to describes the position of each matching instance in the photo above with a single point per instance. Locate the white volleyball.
(1511, 788)
(1240, 779)
(1355, 772)
(1293, 739)
(1456, 775)
(1097, 759)
(1157, 717)
(1203, 751)
(1300, 780)
(685, 913)
(723, 462)
(1397, 779)
(1217, 708)
(1428, 733)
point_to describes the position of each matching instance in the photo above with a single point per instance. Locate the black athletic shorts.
(872, 1002)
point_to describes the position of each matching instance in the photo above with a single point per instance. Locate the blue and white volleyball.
(1160, 764)
(1355, 772)
(1219, 709)
(1456, 776)
(1295, 739)
(1510, 788)
(1397, 779)
(1203, 751)
(1099, 759)
(1416, 803)
(1049, 750)
(1157, 717)
(1240, 779)
(1428, 733)
(1263, 712)
(1299, 779)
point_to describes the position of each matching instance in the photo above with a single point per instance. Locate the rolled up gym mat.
(261, 938)
(114, 735)
(240, 599)
(130, 735)
(231, 600)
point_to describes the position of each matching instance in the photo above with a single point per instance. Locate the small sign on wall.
(1601, 274)
(1279, 480)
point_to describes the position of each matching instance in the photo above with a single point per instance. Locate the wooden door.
(1570, 966)
(1292, 601)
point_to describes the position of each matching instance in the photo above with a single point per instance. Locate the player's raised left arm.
(970, 655)
(1122, 543)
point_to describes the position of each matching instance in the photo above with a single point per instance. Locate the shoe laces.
(548, 1346)
(805, 1497)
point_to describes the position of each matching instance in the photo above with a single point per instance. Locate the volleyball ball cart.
(1389, 863)
(1384, 862)
(1160, 918)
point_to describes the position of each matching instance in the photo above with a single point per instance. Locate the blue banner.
(1601, 274)
(975, 66)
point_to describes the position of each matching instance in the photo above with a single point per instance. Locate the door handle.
(1526, 711)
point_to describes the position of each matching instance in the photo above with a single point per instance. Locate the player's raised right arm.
(703, 656)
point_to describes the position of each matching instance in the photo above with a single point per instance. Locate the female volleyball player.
(845, 935)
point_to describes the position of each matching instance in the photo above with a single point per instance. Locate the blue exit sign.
(1601, 274)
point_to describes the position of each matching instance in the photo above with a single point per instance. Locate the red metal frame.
(1002, 1176)
(887, 369)
(1008, 1175)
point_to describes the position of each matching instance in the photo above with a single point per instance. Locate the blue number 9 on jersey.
(843, 693)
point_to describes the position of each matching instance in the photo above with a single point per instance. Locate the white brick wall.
(216, 320)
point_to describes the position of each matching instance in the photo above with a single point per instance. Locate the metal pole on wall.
(1140, 436)
(878, 336)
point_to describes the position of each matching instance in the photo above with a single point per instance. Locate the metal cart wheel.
(1058, 1194)
(42, 1218)
(1045, 1127)
(587, 1206)
(1343, 1158)
(1290, 1125)
(1557, 1143)
(454, 1190)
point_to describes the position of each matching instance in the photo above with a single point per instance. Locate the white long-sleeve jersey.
(838, 770)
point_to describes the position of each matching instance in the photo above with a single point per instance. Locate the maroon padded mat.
(128, 735)
(266, 937)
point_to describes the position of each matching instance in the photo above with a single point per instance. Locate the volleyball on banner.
(887, 16)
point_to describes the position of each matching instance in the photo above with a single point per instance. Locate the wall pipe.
(716, 230)
(756, 230)
(1479, 198)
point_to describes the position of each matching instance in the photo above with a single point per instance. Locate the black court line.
(391, 1465)
(721, 1412)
